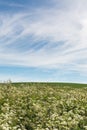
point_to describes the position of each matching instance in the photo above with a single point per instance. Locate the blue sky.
(43, 40)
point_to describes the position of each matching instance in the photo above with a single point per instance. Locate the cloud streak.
(54, 38)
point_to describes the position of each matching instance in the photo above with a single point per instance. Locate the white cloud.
(64, 29)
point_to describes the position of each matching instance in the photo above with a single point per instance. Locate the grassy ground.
(43, 106)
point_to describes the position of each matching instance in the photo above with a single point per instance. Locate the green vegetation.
(43, 106)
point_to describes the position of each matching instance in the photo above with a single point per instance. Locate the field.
(43, 106)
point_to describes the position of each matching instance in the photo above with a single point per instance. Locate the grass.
(43, 106)
(53, 84)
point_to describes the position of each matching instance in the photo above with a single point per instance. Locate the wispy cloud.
(48, 38)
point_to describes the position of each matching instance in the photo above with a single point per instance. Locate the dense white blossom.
(42, 107)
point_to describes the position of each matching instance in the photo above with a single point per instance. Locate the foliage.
(42, 107)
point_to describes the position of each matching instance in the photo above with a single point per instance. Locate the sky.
(43, 41)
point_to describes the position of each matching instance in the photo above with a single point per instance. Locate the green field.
(43, 106)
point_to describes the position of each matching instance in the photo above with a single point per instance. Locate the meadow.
(43, 106)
